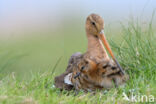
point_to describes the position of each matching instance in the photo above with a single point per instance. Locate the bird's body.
(93, 69)
(102, 75)
(72, 65)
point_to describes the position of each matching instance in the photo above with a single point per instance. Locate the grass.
(136, 53)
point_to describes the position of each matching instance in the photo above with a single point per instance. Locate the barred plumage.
(103, 75)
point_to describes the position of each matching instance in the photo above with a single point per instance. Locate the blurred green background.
(35, 34)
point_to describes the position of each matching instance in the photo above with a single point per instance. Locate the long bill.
(104, 41)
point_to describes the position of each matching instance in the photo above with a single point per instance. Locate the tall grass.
(137, 50)
(137, 53)
(7, 59)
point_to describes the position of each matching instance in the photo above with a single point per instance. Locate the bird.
(95, 36)
(93, 76)
(94, 69)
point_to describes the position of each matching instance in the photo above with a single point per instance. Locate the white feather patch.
(67, 79)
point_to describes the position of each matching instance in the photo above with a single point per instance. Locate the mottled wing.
(60, 80)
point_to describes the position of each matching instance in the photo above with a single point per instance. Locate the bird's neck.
(95, 47)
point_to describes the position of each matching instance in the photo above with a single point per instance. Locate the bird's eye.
(113, 67)
(93, 23)
(82, 67)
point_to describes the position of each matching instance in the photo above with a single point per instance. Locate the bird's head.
(94, 24)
